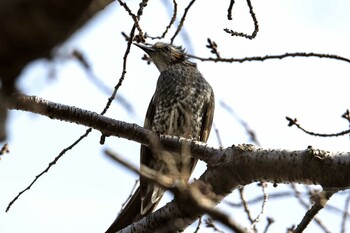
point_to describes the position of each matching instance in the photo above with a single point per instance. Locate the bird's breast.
(179, 102)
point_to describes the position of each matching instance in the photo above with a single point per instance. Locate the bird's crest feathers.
(177, 51)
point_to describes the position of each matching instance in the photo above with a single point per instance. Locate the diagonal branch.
(329, 169)
(311, 213)
(194, 195)
(243, 164)
(179, 27)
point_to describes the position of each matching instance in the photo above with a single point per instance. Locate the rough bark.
(227, 168)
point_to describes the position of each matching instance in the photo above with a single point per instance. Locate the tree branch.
(243, 163)
(228, 168)
(192, 194)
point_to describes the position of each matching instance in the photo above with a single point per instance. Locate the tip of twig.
(291, 121)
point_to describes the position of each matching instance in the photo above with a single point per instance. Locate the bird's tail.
(129, 214)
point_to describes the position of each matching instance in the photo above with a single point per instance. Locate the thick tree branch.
(227, 168)
(243, 164)
(320, 203)
(193, 195)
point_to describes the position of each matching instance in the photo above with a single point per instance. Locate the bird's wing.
(207, 120)
(142, 198)
(129, 214)
(133, 211)
(150, 193)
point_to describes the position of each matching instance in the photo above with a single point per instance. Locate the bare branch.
(311, 213)
(172, 20)
(263, 206)
(243, 164)
(210, 224)
(294, 121)
(182, 21)
(252, 14)
(252, 135)
(217, 133)
(110, 99)
(83, 61)
(245, 205)
(213, 47)
(63, 152)
(5, 149)
(298, 166)
(141, 38)
(261, 198)
(268, 57)
(229, 10)
(125, 57)
(345, 213)
(198, 225)
(131, 193)
(164, 181)
(346, 115)
(270, 221)
(192, 193)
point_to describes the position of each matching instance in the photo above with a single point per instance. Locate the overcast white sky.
(85, 190)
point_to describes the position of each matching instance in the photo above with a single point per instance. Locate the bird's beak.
(145, 48)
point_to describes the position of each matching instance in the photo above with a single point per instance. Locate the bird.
(182, 105)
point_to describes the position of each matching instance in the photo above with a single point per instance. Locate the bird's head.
(164, 55)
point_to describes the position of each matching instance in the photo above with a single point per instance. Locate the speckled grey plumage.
(182, 92)
(182, 105)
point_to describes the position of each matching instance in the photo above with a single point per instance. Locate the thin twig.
(263, 206)
(125, 57)
(269, 57)
(87, 132)
(311, 213)
(294, 121)
(213, 47)
(63, 152)
(217, 133)
(5, 149)
(229, 10)
(172, 20)
(182, 21)
(210, 224)
(190, 191)
(345, 214)
(130, 196)
(135, 18)
(252, 135)
(198, 225)
(79, 56)
(269, 223)
(256, 25)
(146, 172)
(314, 211)
(334, 162)
(245, 204)
(261, 198)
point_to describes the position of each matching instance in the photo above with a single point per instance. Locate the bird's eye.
(167, 48)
